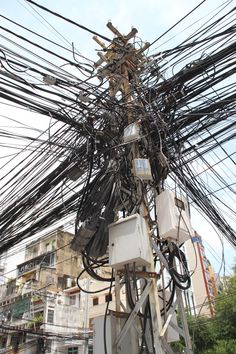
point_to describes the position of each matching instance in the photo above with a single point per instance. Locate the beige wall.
(65, 263)
(98, 310)
(198, 283)
(68, 261)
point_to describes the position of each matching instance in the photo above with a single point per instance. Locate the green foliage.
(202, 333)
(35, 298)
(178, 347)
(36, 321)
(217, 335)
(223, 347)
(226, 311)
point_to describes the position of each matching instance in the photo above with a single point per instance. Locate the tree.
(226, 311)
(217, 335)
(202, 333)
(223, 347)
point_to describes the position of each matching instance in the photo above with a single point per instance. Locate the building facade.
(42, 311)
(200, 298)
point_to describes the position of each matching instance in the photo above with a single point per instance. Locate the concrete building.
(201, 296)
(49, 262)
(3, 258)
(42, 310)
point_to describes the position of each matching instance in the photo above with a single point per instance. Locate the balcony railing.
(44, 260)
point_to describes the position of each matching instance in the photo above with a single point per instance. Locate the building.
(42, 311)
(3, 258)
(201, 296)
(97, 303)
(49, 262)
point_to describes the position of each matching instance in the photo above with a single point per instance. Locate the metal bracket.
(133, 314)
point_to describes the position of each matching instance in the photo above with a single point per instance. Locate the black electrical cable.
(182, 278)
(105, 318)
(191, 112)
(87, 291)
(68, 20)
(176, 22)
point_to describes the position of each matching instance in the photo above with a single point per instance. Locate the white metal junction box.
(131, 132)
(129, 242)
(98, 335)
(173, 217)
(142, 169)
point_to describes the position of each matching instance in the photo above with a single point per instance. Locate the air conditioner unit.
(173, 217)
(27, 316)
(69, 282)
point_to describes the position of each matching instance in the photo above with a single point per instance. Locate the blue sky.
(150, 17)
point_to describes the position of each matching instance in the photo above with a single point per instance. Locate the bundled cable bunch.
(98, 215)
(181, 278)
(183, 101)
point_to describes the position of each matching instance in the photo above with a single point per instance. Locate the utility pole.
(121, 63)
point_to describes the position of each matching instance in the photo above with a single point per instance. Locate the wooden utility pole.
(120, 63)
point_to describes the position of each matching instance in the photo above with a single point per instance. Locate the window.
(52, 259)
(34, 252)
(48, 248)
(50, 316)
(72, 300)
(53, 245)
(73, 350)
(95, 301)
(108, 297)
(3, 342)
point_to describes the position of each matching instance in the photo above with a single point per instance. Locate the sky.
(151, 18)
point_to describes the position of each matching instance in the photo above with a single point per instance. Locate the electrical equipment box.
(75, 173)
(142, 169)
(173, 217)
(129, 242)
(49, 80)
(84, 234)
(98, 334)
(131, 132)
(128, 345)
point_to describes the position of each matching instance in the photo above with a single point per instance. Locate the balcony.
(44, 260)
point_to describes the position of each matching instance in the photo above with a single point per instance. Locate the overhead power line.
(68, 20)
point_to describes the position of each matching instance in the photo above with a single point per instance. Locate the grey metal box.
(129, 242)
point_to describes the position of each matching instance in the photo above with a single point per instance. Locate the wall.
(68, 261)
(198, 263)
